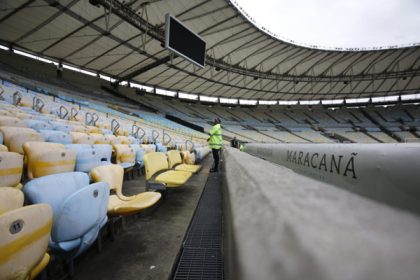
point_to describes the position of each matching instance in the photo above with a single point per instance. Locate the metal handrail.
(16, 98)
(87, 120)
(60, 112)
(95, 119)
(155, 132)
(115, 125)
(73, 114)
(186, 145)
(163, 138)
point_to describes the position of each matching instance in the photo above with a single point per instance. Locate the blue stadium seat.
(91, 156)
(55, 136)
(38, 125)
(79, 209)
(139, 154)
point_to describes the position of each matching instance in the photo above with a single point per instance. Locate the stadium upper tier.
(125, 40)
(299, 124)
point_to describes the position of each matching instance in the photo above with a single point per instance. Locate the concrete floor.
(148, 245)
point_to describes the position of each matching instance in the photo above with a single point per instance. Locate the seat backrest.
(11, 167)
(93, 129)
(81, 212)
(19, 139)
(149, 148)
(9, 131)
(48, 158)
(54, 189)
(24, 235)
(3, 148)
(82, 138)
(161, 148)
(11, 121)
(38, 125)
(139, 152)
(123, 153)
(79, 128)
(113, 174)
(10, 199)
(174, 158)
(104, 151)
(98, 138)
(56, 136)
(154, 162)
(90, 156)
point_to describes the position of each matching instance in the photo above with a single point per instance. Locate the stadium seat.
(82, 138)
(56, 136)
(38, 125)
(15, 137)
(24, 234)
(11, 168)
(11, 121)
(119, 204)
(175, 162)
(79, 209)
(48, 158)
(187, 157)
(93, 129)
(155, 163)
(139, 151)
(124, 155)
(90, 156)
(99, 138)
(161, 148)
(148, 148)
(10, 199)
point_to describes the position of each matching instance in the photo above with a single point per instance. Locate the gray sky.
(339, 23)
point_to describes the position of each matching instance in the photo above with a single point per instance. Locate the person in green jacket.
(215, 143)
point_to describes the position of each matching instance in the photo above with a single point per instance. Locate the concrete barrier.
(389, 173)
(282, 225)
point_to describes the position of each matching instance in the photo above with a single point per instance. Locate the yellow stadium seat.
(24, 235)
(98, 138)
(124, 155)
(79, 128)
(156, 162)
(122, 132)
(93, 129)
(148, 148)
(24, 116)
(9, 131)
(5, 113)
(15, 137)
(11, 121)
(82, 138)
(188, 157)
(10, 199)
(118, 203)
(48, 158)
(11, 168)
(175, 162)
(103, 125)
(3, 148)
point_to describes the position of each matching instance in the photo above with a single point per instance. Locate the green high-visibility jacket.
(216, 140)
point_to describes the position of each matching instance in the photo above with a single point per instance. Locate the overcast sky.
(340, 23)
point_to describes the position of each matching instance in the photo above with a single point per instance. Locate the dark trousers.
(216, 158)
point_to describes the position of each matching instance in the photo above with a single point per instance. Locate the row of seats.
(68, 197)
(71, 177)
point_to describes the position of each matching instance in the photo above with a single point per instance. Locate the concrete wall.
(389, 173)
(282, 225)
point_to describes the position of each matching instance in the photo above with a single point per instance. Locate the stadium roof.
(124, 40)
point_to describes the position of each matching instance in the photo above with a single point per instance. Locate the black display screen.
(184, 42)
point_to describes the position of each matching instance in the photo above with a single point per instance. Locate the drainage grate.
(201, 256)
